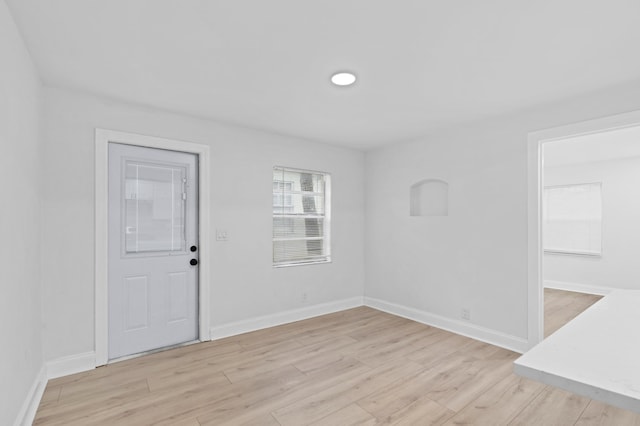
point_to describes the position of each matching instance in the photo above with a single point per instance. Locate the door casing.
(536, 140)
(102, 139)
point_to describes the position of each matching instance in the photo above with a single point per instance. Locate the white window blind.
(573, 219)
(301, 217)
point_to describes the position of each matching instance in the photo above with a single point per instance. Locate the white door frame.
(102, 139)
(535, 185)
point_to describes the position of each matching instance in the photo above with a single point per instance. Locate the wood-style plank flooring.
(560, 307)
(356, 367)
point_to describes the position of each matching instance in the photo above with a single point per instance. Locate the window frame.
(569, 251)
(326, 221)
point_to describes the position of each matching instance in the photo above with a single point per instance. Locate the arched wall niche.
(430, 197)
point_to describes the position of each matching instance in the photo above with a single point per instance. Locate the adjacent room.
(336, 213)
(591, 204)
(587, 218)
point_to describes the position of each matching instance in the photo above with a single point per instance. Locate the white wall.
(476, 258)
(618, 266)
(244, 283)
(20, 303)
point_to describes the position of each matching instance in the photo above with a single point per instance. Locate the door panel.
(178, 296)
(136, 303)
(153, 288)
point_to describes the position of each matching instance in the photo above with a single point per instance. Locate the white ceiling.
(422, 64)
(603, 146)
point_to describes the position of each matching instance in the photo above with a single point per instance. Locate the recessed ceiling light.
(343, 78)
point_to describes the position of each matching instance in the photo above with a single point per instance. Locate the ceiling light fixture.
(343, 78)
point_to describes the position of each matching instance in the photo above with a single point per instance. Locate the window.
(282, 195)
(573, 219)
(154, 207)
(301, 217)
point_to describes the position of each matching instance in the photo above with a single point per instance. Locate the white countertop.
(596, 355)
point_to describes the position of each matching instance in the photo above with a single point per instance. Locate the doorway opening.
(104, 139)
(568, 182)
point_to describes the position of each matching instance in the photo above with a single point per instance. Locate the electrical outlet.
(222, 235)
(466, 314)
(304, 296)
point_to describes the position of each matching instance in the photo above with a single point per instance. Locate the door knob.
(193, 248)
(193, 262)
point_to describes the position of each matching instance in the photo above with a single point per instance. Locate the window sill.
(573, 253)
(288, 265)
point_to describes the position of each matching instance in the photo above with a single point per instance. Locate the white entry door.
(153, 249)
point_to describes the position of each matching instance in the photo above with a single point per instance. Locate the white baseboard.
(27, 412)
(71, 364)
(473, 331)
(280, 318)
(580, 288)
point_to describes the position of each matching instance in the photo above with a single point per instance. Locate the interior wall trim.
(71, 364)
(578, 287)
(102, 139)
(535, 184)
(27, 412)
(280, 318)
(473, 331)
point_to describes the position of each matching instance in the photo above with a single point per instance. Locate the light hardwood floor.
(356, 367)
(560, 307)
